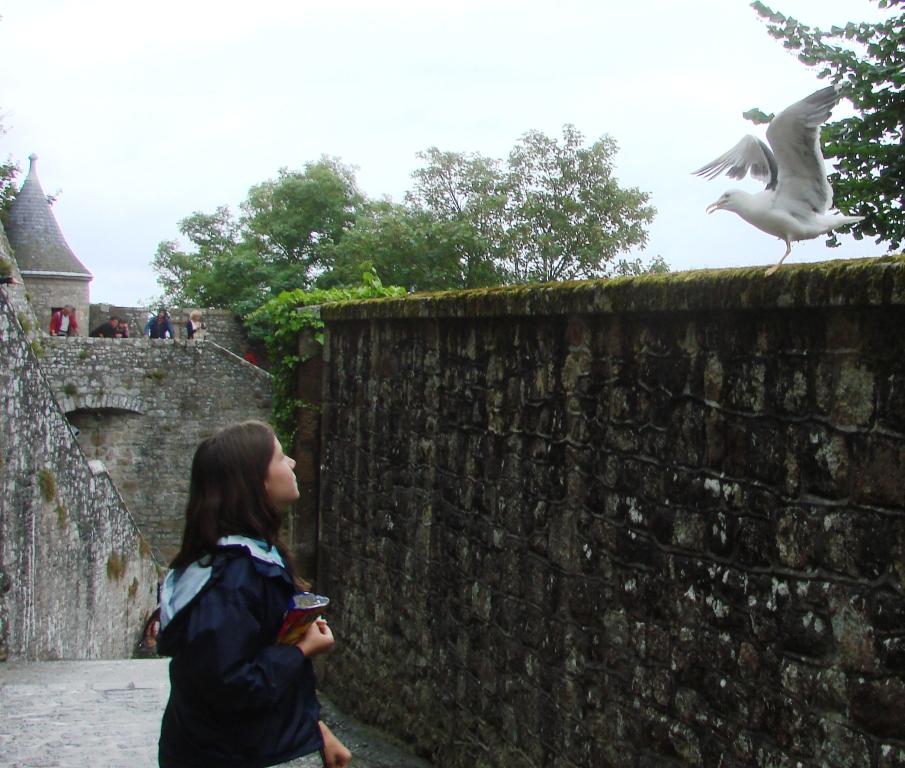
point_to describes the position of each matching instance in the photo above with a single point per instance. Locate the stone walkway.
(106, 714)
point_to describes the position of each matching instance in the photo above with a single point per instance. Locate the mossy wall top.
(862, 282)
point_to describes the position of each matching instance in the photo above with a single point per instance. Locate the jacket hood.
(183, 585)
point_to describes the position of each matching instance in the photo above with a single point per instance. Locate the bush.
(279, 322)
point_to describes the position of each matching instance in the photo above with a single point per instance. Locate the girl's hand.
(318, 639)
(336, 755)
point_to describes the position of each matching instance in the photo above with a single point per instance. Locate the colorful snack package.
(301, 612)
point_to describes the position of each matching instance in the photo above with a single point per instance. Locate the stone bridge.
(141, 406)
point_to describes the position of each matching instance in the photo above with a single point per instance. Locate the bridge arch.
(95, 402)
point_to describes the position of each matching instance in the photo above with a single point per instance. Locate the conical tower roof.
(35, 236)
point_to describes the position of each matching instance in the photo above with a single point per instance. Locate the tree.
(567, 215)
(9, 173)
(870, 176)
(554, 212)
(281, 241)
(465, 196)
(290, 221)
(406, 247)
(220, 271)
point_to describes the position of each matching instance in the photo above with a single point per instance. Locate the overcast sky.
(141, 114)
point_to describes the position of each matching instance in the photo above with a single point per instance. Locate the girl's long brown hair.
(227, 494)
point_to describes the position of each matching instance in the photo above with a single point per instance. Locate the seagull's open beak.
(714, 207)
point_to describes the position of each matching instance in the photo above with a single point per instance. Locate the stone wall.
(648, 522)
(142, 406)
(76, 581)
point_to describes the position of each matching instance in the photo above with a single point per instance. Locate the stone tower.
(52, 274)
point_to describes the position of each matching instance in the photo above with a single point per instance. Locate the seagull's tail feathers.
(840, 220)
(829, 223)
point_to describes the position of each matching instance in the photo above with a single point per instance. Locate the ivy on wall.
(278, 324)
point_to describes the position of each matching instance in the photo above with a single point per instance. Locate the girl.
(237, 699)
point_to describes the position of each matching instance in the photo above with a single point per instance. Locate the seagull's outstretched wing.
(750, 155)
(794, 135)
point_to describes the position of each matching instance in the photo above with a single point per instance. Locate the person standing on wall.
(194, 327)
(63, 322)
(251, 357)
(107, 330)
(161, 327)
(238, 698)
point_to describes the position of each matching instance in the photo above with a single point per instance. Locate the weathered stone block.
(824, 458)
(853, 634)
(880, 479)
(879, 705)
(756, 542)
(891, 401)
(805, 632)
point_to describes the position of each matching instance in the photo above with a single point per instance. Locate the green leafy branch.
(278, 324)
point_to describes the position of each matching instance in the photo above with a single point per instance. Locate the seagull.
(793, 206)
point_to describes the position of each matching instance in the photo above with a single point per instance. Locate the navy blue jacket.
(237, 699)
(158, 330)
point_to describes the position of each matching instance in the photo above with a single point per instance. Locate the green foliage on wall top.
(278, 323)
